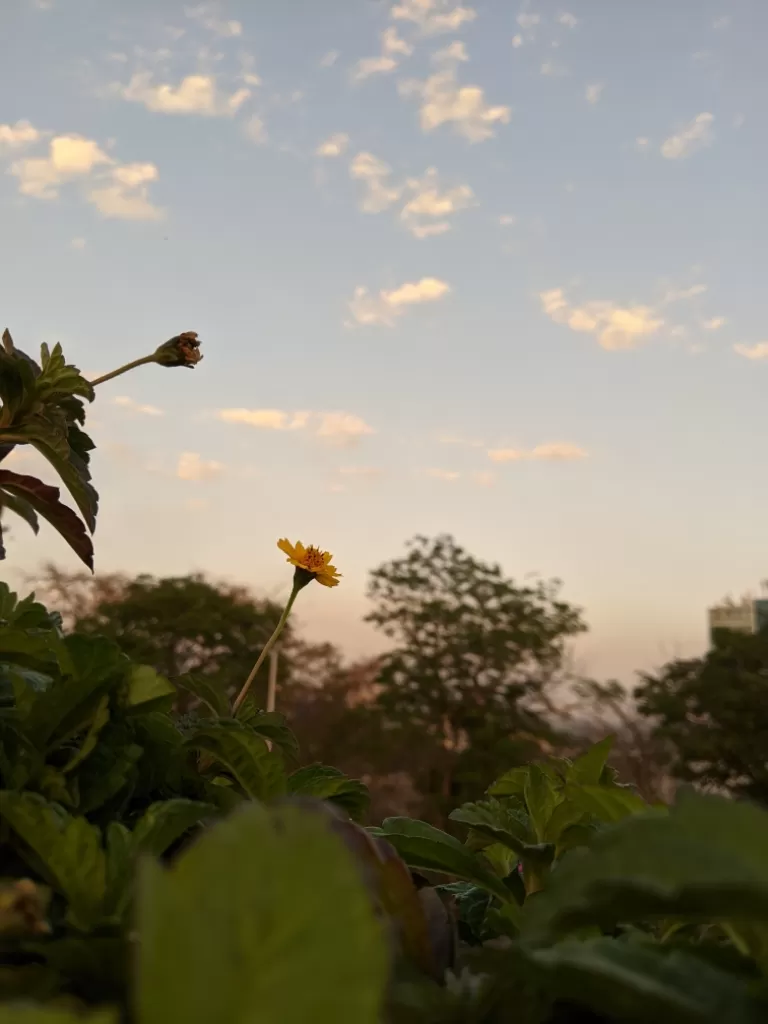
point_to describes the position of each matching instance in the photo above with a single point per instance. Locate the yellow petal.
(286, 547)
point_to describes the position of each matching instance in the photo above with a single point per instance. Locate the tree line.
(475, 677)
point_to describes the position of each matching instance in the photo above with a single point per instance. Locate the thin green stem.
(267, 648)
(124, 369)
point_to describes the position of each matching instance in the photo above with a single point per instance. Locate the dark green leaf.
(264, 919)
(258, 770)
(496, 821)
(166, 821)
(273, 727)
(638, 982)
(148, 690)
(45, 500)
(588, 768)
(706, 859)
(67, 849)
(540, 799)
(326, 783)
(425, 847)
(206, 691)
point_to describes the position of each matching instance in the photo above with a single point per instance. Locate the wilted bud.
(183, 350)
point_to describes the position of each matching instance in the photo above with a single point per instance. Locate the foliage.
(183, 625)
(473, 655)
(43, 404)
(712, 712)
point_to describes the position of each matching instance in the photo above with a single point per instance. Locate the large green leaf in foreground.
(265, 919)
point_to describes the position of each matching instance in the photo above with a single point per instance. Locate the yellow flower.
(311, 560)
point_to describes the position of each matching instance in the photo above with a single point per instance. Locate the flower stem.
(124, 369)
(267, 648)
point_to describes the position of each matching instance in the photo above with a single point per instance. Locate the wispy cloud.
(255, 130)
(558, 451)
(329, 59)
(133, 406)
(448, 475)
(206, 15)
(593, 92)
(714, 324)
(117, 190)
(77, 243)
(393, 49)
(371, 310)
(380, 193)
(335, 145)
(692, 137)
(340, 429)
(433, 16)
(615, 327)
(681, 294)
(568, 19)
(192, 467)
(444, 101)
(17, 136)
(194, 95)
(426, 211)
(757, 351)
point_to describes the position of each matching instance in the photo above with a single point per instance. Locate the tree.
(638, 754)
(179, 625)
(713, 713)
(474, 656)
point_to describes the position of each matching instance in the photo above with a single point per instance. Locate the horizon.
(480, 269)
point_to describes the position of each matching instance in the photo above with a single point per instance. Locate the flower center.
(313, 560)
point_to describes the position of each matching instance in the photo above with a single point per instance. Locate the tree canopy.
(474, 654)
(713, 714)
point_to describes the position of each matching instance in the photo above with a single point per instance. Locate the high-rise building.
(748, 615)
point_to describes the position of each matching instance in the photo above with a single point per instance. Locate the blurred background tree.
(712, 713)
(474, 661)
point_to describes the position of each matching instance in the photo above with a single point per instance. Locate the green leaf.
(326, 783)
(258, 770)
(588, 768)
(206, 691)
(53, 1015)
(540, 799)
(640, 982)
(96, 665)
(425, 847)
(21, 507)
(66, 849)
(706, 859)
(511, 783)
(499, 823)
(45, 500)
(264, 919)
(99, 720)
(148, 690)
(272, 726)
(166, 821)
(606, 803)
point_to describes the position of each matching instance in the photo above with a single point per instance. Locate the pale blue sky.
(492, 269)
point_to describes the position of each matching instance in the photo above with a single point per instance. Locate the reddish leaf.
(44, 499)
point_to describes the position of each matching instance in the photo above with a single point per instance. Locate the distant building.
(749, 615)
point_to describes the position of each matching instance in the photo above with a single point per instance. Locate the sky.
(491, 270)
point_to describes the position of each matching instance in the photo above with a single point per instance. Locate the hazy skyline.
(481, 268)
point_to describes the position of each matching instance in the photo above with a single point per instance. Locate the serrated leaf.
(540, 799)
(96, 666)
(66, 849)
(588, 768)
(264, 918)
(148, 690)
(499, 823)
(425, 847)
(206, 691)
(272, 726)
(20, 507)
(258, 770)
(639, 982)
(99, 720)
(511, 783)
(45, 500)
(326, 783)
(606, 803)
(166, 821)
(706, 859)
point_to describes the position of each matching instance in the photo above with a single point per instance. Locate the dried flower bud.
(23, 906)
(182, 350)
